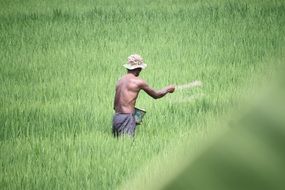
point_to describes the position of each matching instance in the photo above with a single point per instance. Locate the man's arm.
(156, 93)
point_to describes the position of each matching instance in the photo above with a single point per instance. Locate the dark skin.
(128, 88)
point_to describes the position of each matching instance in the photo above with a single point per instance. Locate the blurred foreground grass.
(249, 155)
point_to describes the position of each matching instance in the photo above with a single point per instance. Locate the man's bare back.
(128, 88)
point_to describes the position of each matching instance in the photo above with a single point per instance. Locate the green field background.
(60, 61)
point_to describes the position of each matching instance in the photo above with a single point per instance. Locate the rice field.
(60, 61)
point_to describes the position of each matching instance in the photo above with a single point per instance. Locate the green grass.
(60, 61)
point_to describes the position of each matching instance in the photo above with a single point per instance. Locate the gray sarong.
(124, 123)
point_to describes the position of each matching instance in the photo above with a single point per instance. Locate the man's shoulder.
(123, 79)
(139, 81)
(134, 80)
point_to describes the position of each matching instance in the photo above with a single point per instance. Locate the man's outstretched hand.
(171, 88)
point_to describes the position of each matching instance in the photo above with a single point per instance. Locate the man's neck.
(133, 73)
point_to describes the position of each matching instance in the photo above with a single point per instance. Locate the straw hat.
(135, 61)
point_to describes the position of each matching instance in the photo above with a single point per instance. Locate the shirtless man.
(127, 90)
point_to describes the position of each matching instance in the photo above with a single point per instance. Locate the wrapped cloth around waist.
(124, 123)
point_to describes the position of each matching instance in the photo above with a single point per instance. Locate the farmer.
(127, 90)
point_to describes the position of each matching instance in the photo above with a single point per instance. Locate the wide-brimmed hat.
(135, 61)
